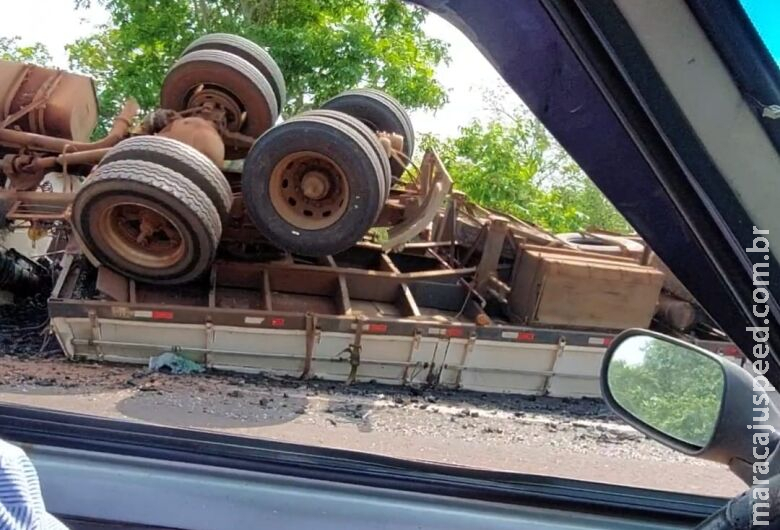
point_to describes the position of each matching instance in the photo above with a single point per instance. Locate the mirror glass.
(672, 388)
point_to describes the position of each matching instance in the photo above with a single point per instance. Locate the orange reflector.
(162, 315)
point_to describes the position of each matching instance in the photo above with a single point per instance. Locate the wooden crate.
(549, 287)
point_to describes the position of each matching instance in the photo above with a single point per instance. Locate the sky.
(765, 15)
(62, 24)
(467, 78)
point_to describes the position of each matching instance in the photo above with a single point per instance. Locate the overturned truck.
(309, 247)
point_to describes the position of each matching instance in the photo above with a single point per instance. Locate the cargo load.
(555, 288)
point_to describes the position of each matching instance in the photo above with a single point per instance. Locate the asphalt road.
(550, 436)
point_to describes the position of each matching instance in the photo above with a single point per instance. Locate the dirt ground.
(550, 436)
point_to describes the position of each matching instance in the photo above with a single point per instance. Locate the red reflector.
(608, 340)
(731, 351)
(277, 322)
(526, 335)
(162, 315)
(377, 328)
(454, 332)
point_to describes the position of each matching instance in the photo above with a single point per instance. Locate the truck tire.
(227, 79)
(613, 245)
(181, 158)
(368, 141)
(312, 186)
(365, 132)
(182, 230)
(380, 112)
(250, 52)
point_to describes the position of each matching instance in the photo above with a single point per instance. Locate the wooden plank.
(311, 343)
(380, 286)
(266, 291)
(491, 253)
(238, 272)
(112, 285)
(133, 292)
(342, 291)
(213, 286)
(386, 264)
(405, 302)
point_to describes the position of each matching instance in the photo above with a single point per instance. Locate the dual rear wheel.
(314, 185)
(153, 210)
(231, 76)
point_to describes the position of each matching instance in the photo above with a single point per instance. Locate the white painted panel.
(276, 350)
(562, 386)
(163, 334)
(491, 363)
(576, 360)
(454, 355)
(490, 366)
(376, 349)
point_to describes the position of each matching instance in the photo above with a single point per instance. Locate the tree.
(511, 164)
(36, 53)
(322, 46)
(595, 210)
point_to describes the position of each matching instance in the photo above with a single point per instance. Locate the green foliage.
(37, 54)
(322, 46)
(596, 212)
(514, 166)
(672, 389)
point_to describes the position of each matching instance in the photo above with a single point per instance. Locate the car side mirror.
(691, 400)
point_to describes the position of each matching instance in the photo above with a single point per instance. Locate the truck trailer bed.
(329, 321)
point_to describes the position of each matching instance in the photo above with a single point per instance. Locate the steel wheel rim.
(140, 234)
(220, 99)
(309, 190)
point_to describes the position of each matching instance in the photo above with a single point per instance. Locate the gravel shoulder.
(572, 438)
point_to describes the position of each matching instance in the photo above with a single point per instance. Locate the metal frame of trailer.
(330, 322)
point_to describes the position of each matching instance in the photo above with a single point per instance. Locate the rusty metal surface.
(37, 206)
(174, 309)
(38, 142)
(198, 133)
(22, 171)
(427, 196)
(47, 101)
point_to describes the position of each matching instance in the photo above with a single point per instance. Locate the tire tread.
(166, 180)
(238, 64)
(173, 154)
(251, 49)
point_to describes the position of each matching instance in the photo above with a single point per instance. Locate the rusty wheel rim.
(308, 190)
(142, 235)
(217, 98)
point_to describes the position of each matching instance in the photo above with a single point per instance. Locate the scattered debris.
(175, 364)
